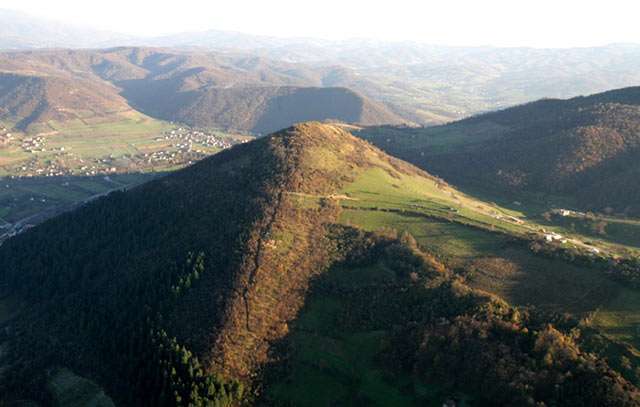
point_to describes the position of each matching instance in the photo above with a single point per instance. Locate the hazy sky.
(539, 23)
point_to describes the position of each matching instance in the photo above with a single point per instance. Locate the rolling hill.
(423, 83)
(201, 89)
(31, 100)
(285, 271)
(266, 109)
(583, 149)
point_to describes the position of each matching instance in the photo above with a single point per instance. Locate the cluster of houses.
(186, 138)
(33, 144)
(169, 157)
(567, 213)
(187, 145)
(551, 237)
(5, 136)
(35, 168)
(176, 147)
(179, 146)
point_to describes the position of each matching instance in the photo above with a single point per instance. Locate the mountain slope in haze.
(423, 83)
(585, 148)
(22, 31)
(266, 109)
(196, 88)
(193, 288)
(431, 84)
(30, 100)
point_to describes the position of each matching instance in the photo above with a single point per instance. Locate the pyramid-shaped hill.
(183, 291)
(220, 253)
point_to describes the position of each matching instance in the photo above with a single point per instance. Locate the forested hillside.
(584, 148)
(231, 281)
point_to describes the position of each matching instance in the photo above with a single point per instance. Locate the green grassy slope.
(465, 233)
(583, 149)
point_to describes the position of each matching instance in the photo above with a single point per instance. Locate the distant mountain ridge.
(22, 31)
(197, 88)
(423, 83)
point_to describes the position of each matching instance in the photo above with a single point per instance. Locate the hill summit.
(197, 288)
(233, 222)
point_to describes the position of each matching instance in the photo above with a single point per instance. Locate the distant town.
(85, 177)
(177, 147)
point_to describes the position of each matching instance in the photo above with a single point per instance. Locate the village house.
(552, 237)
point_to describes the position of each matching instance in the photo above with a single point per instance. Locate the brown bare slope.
(27, 100)
(197, 88)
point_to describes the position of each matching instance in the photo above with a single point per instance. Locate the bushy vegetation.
(407, 314)
(624, 269)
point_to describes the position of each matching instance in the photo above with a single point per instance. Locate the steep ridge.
(232, 208)
(184, 291)
(584, 148)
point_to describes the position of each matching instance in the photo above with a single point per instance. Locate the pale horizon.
(543, 24)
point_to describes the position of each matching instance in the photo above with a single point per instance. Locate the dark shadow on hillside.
(160, 98)
(28, 201)
(332, 354)
(309, 104)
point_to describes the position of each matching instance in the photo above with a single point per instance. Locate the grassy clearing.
(378, 189)
(453, 242)
(71, 390)
(336, 365)
(437, 139)
(466, 235)
(620, 318)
